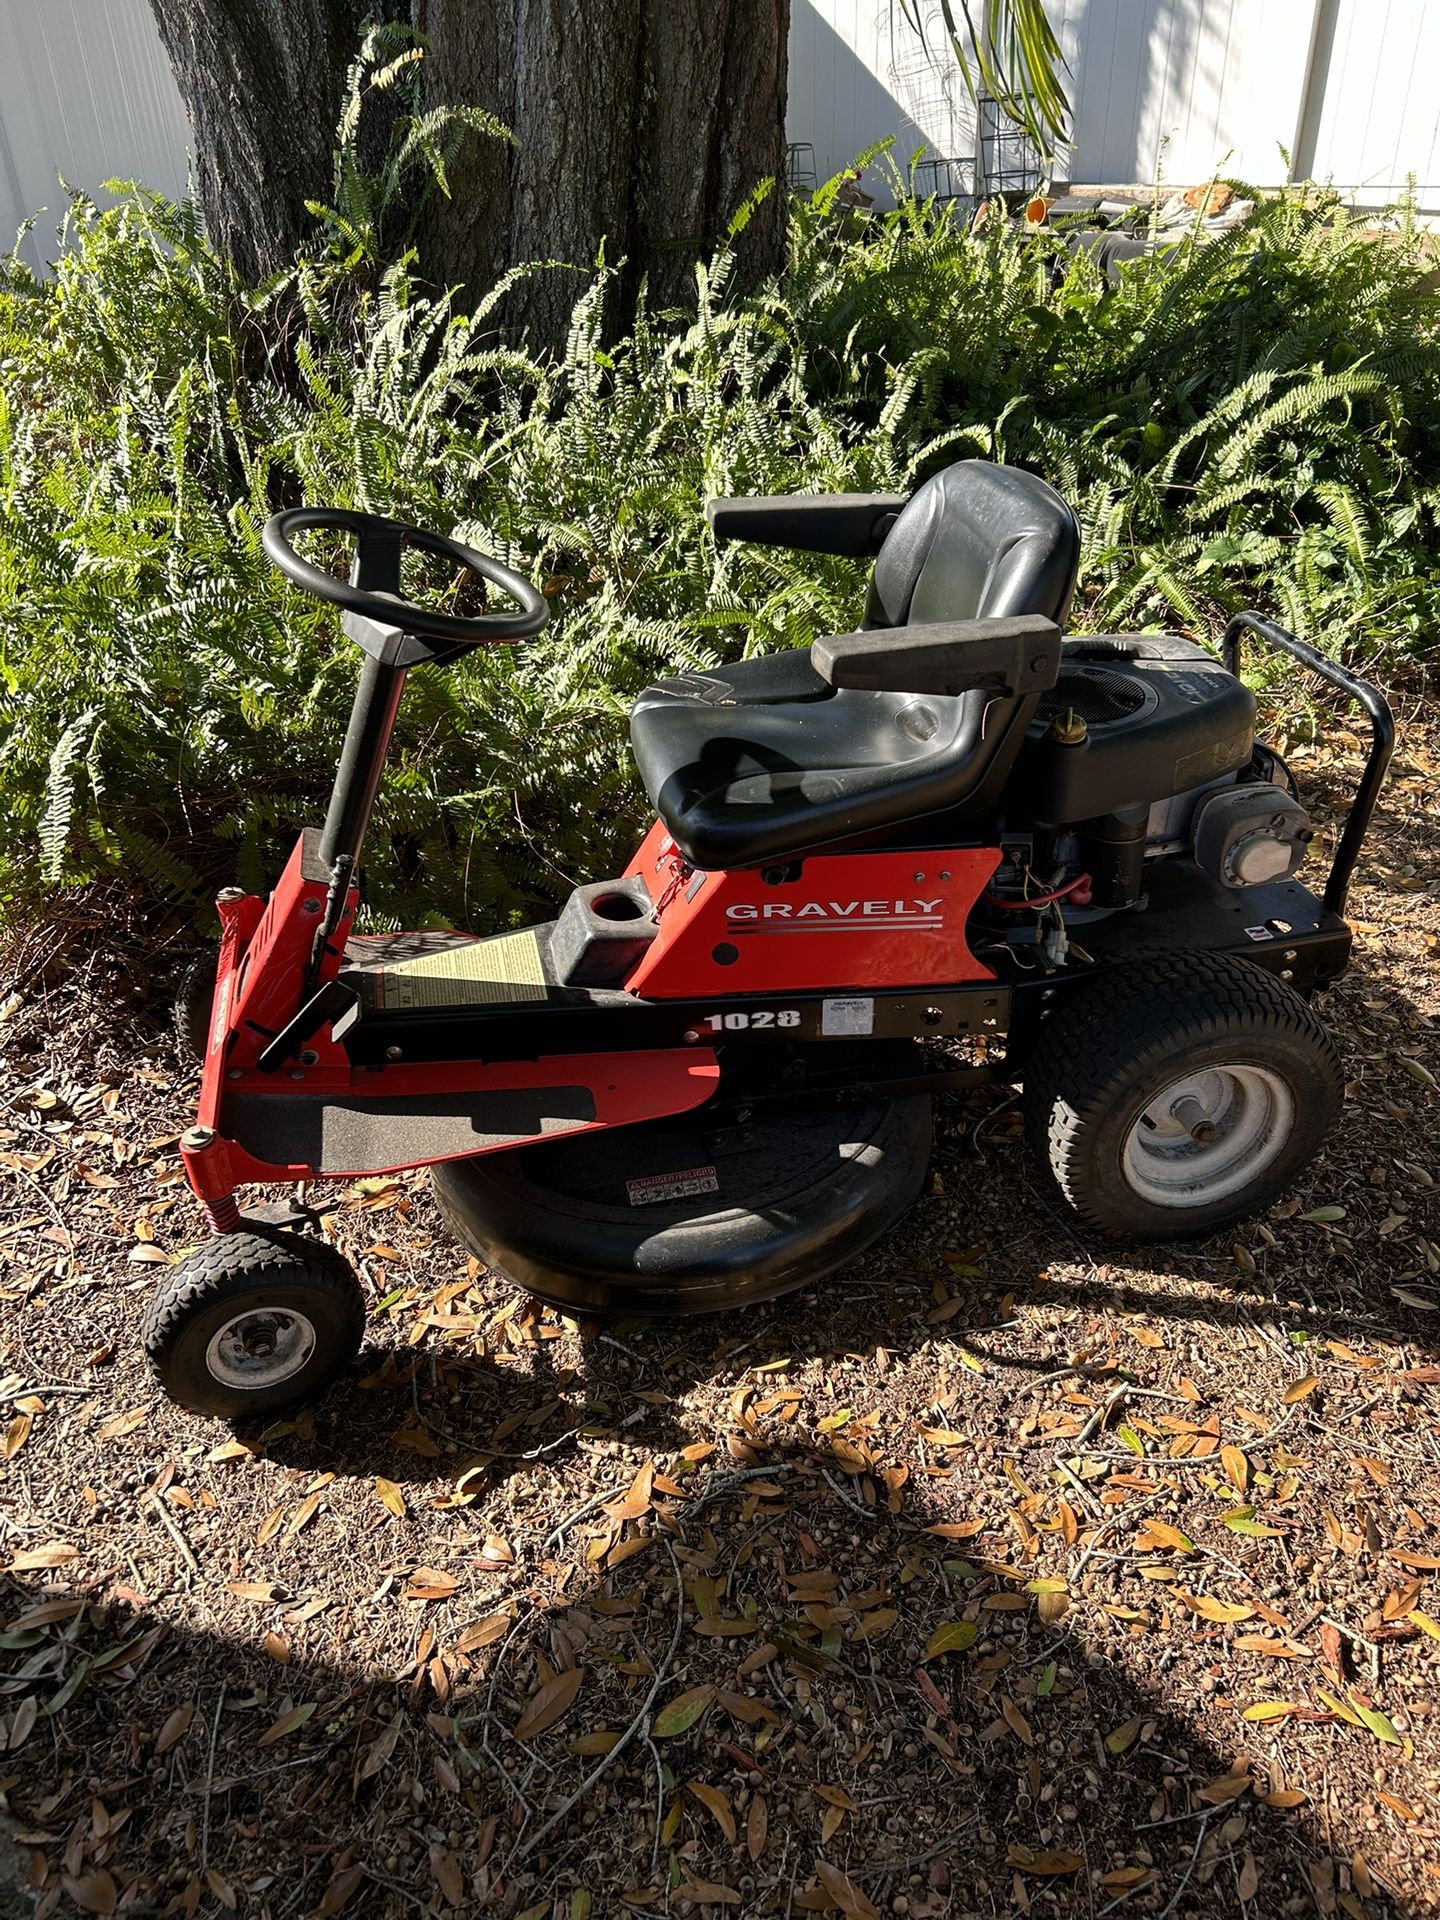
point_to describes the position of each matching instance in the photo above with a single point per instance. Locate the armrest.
(1016, 655)
(850, 523)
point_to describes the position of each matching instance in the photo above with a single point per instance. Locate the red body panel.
(264, 951)
(861, 921)
(850, 920)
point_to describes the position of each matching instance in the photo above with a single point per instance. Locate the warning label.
(848, 1016)
(650, 1187)
(506, 971)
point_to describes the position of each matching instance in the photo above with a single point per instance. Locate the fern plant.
(1256, 420)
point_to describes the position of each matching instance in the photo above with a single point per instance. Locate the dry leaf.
(429, 1583)
(175, 1727)
(448, 1877)
(548, 1703)
(390, 1497)
(757, 1823)
(287, 1723)
(484, 1632)
(379, 1751)
(1301, 1389)
(717, 1805)
(845, 1894)
(56, 1553)
(1056, 1861)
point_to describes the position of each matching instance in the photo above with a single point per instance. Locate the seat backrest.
(976, 539)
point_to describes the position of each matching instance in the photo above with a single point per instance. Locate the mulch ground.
(1004, 1572)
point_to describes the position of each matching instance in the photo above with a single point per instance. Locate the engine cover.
(1161, 716)
(1250, 835)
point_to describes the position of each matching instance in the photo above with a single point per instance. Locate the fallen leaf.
(954, 1637)
(379, 1751)
(56, 1553)
(717, 1805)
(1055, 1861)
(448, 1877)
(682, 1712)
(1301, 1389)
(1124, 1736)
(757, 1824)
(390, 1497)
(1221, 1611)
(95, 1892)
(429, 1583)
(175, 1727)
(484, 1632)
(287, 1723)
(548, 1703)
(844, 1893)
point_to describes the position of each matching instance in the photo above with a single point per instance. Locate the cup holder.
(617, 907)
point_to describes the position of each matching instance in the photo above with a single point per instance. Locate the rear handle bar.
(1382, 738)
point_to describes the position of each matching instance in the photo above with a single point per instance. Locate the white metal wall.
(85, 91)
(1375, 95)
(1160, 88)
(1164, 89)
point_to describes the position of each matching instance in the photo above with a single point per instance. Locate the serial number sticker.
(650, 1187)
(1258, 933)
(848, 1016)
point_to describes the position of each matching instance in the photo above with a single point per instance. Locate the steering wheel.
(373, 588)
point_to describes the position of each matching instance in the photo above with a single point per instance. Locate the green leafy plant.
(1252, 421)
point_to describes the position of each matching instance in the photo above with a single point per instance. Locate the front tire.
(1171, 1100)
(252, 1323)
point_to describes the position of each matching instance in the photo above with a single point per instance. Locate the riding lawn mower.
(948, 848)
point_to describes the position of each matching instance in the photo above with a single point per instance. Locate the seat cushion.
(763, 759)
(976, 539)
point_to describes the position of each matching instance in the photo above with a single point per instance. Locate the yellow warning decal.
(505, 971)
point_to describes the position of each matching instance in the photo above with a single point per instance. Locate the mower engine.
(1144, 750)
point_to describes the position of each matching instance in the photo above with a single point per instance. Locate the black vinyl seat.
(765, 759)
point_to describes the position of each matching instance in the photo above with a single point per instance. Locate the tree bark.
(262, 82)
(642, 125)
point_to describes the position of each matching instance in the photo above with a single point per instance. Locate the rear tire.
(1171, 1100)
(252, 1323)
(192, 1006)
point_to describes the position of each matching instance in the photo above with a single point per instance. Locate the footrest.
(452, 1112)
(349, 1136)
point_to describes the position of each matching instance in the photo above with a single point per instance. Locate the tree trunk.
(262, 83)
(642, 126)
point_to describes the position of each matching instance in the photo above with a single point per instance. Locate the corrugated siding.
(1166, 89)
(85, 92)
(1161, 89)
(1173, 89)
(1378, 84)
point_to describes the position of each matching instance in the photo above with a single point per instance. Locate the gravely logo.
(834, 916)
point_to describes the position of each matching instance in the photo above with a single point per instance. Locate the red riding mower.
(703, 1083)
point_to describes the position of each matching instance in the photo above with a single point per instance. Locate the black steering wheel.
(373, 588)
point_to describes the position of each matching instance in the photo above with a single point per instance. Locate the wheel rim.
(260, 1348)
(1208, 1135)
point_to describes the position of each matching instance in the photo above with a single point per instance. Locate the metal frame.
(1382, 737)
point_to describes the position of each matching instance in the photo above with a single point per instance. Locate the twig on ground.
(478, 1446)
(210, 1781)
(520, 1853)
(847, 1499)
(884, 1869)
(1098, 1418)
(182, 1545)
(1185, 1877)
